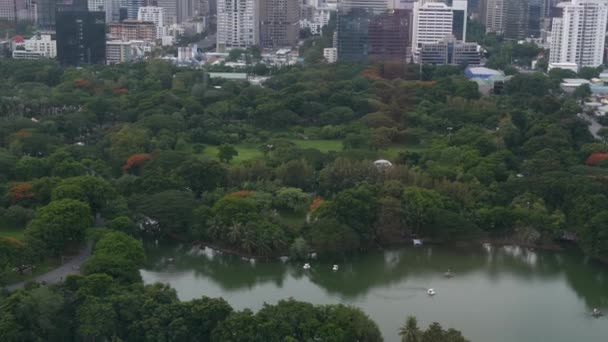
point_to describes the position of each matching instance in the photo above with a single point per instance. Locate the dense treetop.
(152, 150)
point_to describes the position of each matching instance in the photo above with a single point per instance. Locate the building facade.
(279, 23)
(516, 19)
(153, 14)
(81, 37)
(450, 51)
(7, 10)
(118, 51)
(43, 44)
(237, 24)
(433, 21)
(45, 14)
(170, 10)
(578, 35)
(133, 30)
(374, 6)
(493, 15)
(352, 40)
(330, 55)
(389, 35)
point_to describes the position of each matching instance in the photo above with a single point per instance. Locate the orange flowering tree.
(135, 161)
(596, 158)
(20, 192)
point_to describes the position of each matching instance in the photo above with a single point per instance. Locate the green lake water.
(498, 294)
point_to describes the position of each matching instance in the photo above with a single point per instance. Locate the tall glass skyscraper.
(81, 36)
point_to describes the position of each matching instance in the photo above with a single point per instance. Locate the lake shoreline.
(553, 246)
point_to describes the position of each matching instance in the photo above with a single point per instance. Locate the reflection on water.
(498, 293)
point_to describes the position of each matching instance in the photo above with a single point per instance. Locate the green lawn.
(393, 151)
(12, 233)
(321, 145)
(46, 266)
(246, 152)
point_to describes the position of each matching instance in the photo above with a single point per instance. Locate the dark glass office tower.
(45, 14)
(535, 12)
(81, 36)
(389, 35)
(353, 31)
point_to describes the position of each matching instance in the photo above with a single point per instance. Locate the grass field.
(45, 266)
(248, 152)
(321, 145)
(12, 233)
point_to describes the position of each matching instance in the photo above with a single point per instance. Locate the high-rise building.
(110, 7)
(279, 23)
(81, 36)
(493, 15)
(119, 51)
(516, 19)
(433, 21)
(133, 8)
(578, 35)
(170, 9)
(133, 30)
(155, 15)
(237, 24)
(374, 6)
(459, 20)
(43, 44)
(389, 35)
(352, 34)
(7, 10)
(450, 51)
(45, 16)
(363, 34)
(536, 12)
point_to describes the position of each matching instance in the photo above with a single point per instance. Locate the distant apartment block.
(155, 15)
(133, 30)
(279, 23)
(42, 44)
(118, 51)
(578, 34)
(237, 24)
(330, 55)
(450, 51)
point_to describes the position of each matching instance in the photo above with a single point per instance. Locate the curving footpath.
(58, 274)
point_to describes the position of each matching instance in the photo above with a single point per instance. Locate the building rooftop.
(574, 82)
(482, 72)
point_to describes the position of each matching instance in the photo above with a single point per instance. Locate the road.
(594, 126)
(58, 274)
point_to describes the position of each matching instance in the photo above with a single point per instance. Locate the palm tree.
(235, 232)
(410, 332)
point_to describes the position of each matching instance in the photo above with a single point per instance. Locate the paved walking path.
(594, 126)
(58, 274)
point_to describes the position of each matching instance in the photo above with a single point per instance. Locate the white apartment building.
(432, 23)
(237, 24)
(153, 14)
(434, 20)
(315, 18)
(118, 51)
(578, 37)
(42, 44)
(330, 55)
